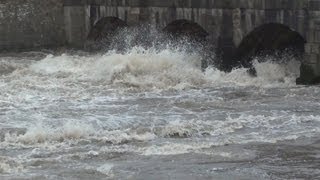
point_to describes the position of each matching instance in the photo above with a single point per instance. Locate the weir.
(240, 29)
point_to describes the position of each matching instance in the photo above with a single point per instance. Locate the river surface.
(154, 114)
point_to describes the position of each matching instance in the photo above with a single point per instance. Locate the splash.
(269, 74)
(141, 68)
(148, 69)
(41, 134)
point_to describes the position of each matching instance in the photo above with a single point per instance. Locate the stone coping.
(210, 4)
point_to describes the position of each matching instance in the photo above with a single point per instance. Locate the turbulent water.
(154, 114)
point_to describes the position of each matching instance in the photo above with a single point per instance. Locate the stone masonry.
(31, 23)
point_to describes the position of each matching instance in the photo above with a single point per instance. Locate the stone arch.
(103, 32)
(268, 39)
(105, 27)
(196, 36)
(186, 28)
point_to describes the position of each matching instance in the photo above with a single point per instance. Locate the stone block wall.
(31, 23)
(77, 25)
(310, 69)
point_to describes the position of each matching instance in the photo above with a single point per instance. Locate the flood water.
(154, 114)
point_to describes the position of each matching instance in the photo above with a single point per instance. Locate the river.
(154, 114)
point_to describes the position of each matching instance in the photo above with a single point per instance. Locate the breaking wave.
(147, 69)
(229, 131)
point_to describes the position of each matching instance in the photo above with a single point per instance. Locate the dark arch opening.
(186, 28)
(269, 39)
(183, 30)
(105, 27)
(102, 33)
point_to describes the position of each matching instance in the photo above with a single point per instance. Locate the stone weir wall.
(26, 24)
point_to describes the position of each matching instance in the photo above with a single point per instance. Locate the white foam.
(122, 136)
(174, 148)
(106, 169)
(58, 64)
(39, 134)
(188, 128)
(268, 129)
(4, 168)
(161, 69)
(9, 165)
(93, 153)
(72, 131)
(269, 74)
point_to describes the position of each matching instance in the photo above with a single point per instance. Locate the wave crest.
(148, 69)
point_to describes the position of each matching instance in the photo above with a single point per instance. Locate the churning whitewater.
(154, 114)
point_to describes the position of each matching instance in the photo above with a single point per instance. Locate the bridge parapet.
(210, 4)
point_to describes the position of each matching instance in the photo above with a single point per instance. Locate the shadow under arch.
(102, 33)
(269, 39)
(186, 28)
(182, 31)
(104, 27)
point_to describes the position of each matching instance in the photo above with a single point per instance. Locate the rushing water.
(154, 114)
